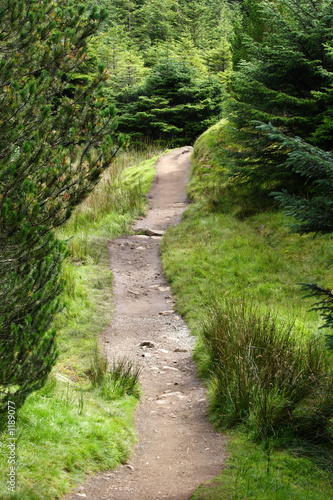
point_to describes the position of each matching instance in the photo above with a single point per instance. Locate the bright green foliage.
(209, 21)
(182, 49)
(173, 105)
(55, 140)
(156, 20)
(121, 59)
(186, 42)
(218, 59)
(157, 27)
(150, 21)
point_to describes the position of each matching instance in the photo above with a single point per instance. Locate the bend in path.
(177, 447)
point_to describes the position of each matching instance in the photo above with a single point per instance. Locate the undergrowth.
(264, 375)
(115, 379)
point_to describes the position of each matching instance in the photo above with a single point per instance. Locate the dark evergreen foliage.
(286, 81)
(251, 24)
(313, 212)
(173, 105)
(56, 137)
(324, 305)
(312, 209)
(287, 77)
(259, 162)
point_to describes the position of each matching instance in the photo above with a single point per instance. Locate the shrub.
(57, 136)
(117, 379)
(263, 375)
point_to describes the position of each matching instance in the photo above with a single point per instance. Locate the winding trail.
(177, 447)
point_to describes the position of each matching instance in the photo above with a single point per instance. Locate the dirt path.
(177, 448)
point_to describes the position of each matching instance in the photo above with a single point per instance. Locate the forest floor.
(177, 447)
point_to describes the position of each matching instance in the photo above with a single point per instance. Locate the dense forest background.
(168, 64)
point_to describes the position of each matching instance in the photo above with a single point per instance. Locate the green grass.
(253, 473)
(231, 248)
(207, 167)
(115, 379)
(215, 255)
(73, 426)
(264, 375)
(116, 201)
(65, 434)
(67, 429)
(209, 182)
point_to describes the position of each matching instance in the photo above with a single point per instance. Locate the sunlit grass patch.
(116, 201)
(65, 433)
(214, 254)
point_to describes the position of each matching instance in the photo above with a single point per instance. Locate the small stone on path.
(147, 343)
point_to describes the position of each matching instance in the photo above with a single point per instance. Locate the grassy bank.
(254, 474)
(235, 269)
(82, 420)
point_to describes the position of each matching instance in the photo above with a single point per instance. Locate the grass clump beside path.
(261, 374)
(235, 269)
(81, 421)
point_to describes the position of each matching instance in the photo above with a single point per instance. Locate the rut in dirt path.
(177, 447)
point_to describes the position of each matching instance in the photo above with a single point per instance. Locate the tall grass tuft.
(118, 192)
(264, 376)
(116, 379)
(109, 211)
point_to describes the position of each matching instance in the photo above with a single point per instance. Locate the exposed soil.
(177, 447)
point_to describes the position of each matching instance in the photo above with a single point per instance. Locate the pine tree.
(286, 68)
(249, 26)
(313, 209)
(173, 105)
(122, 60)
(286, 81)
(56, 137)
